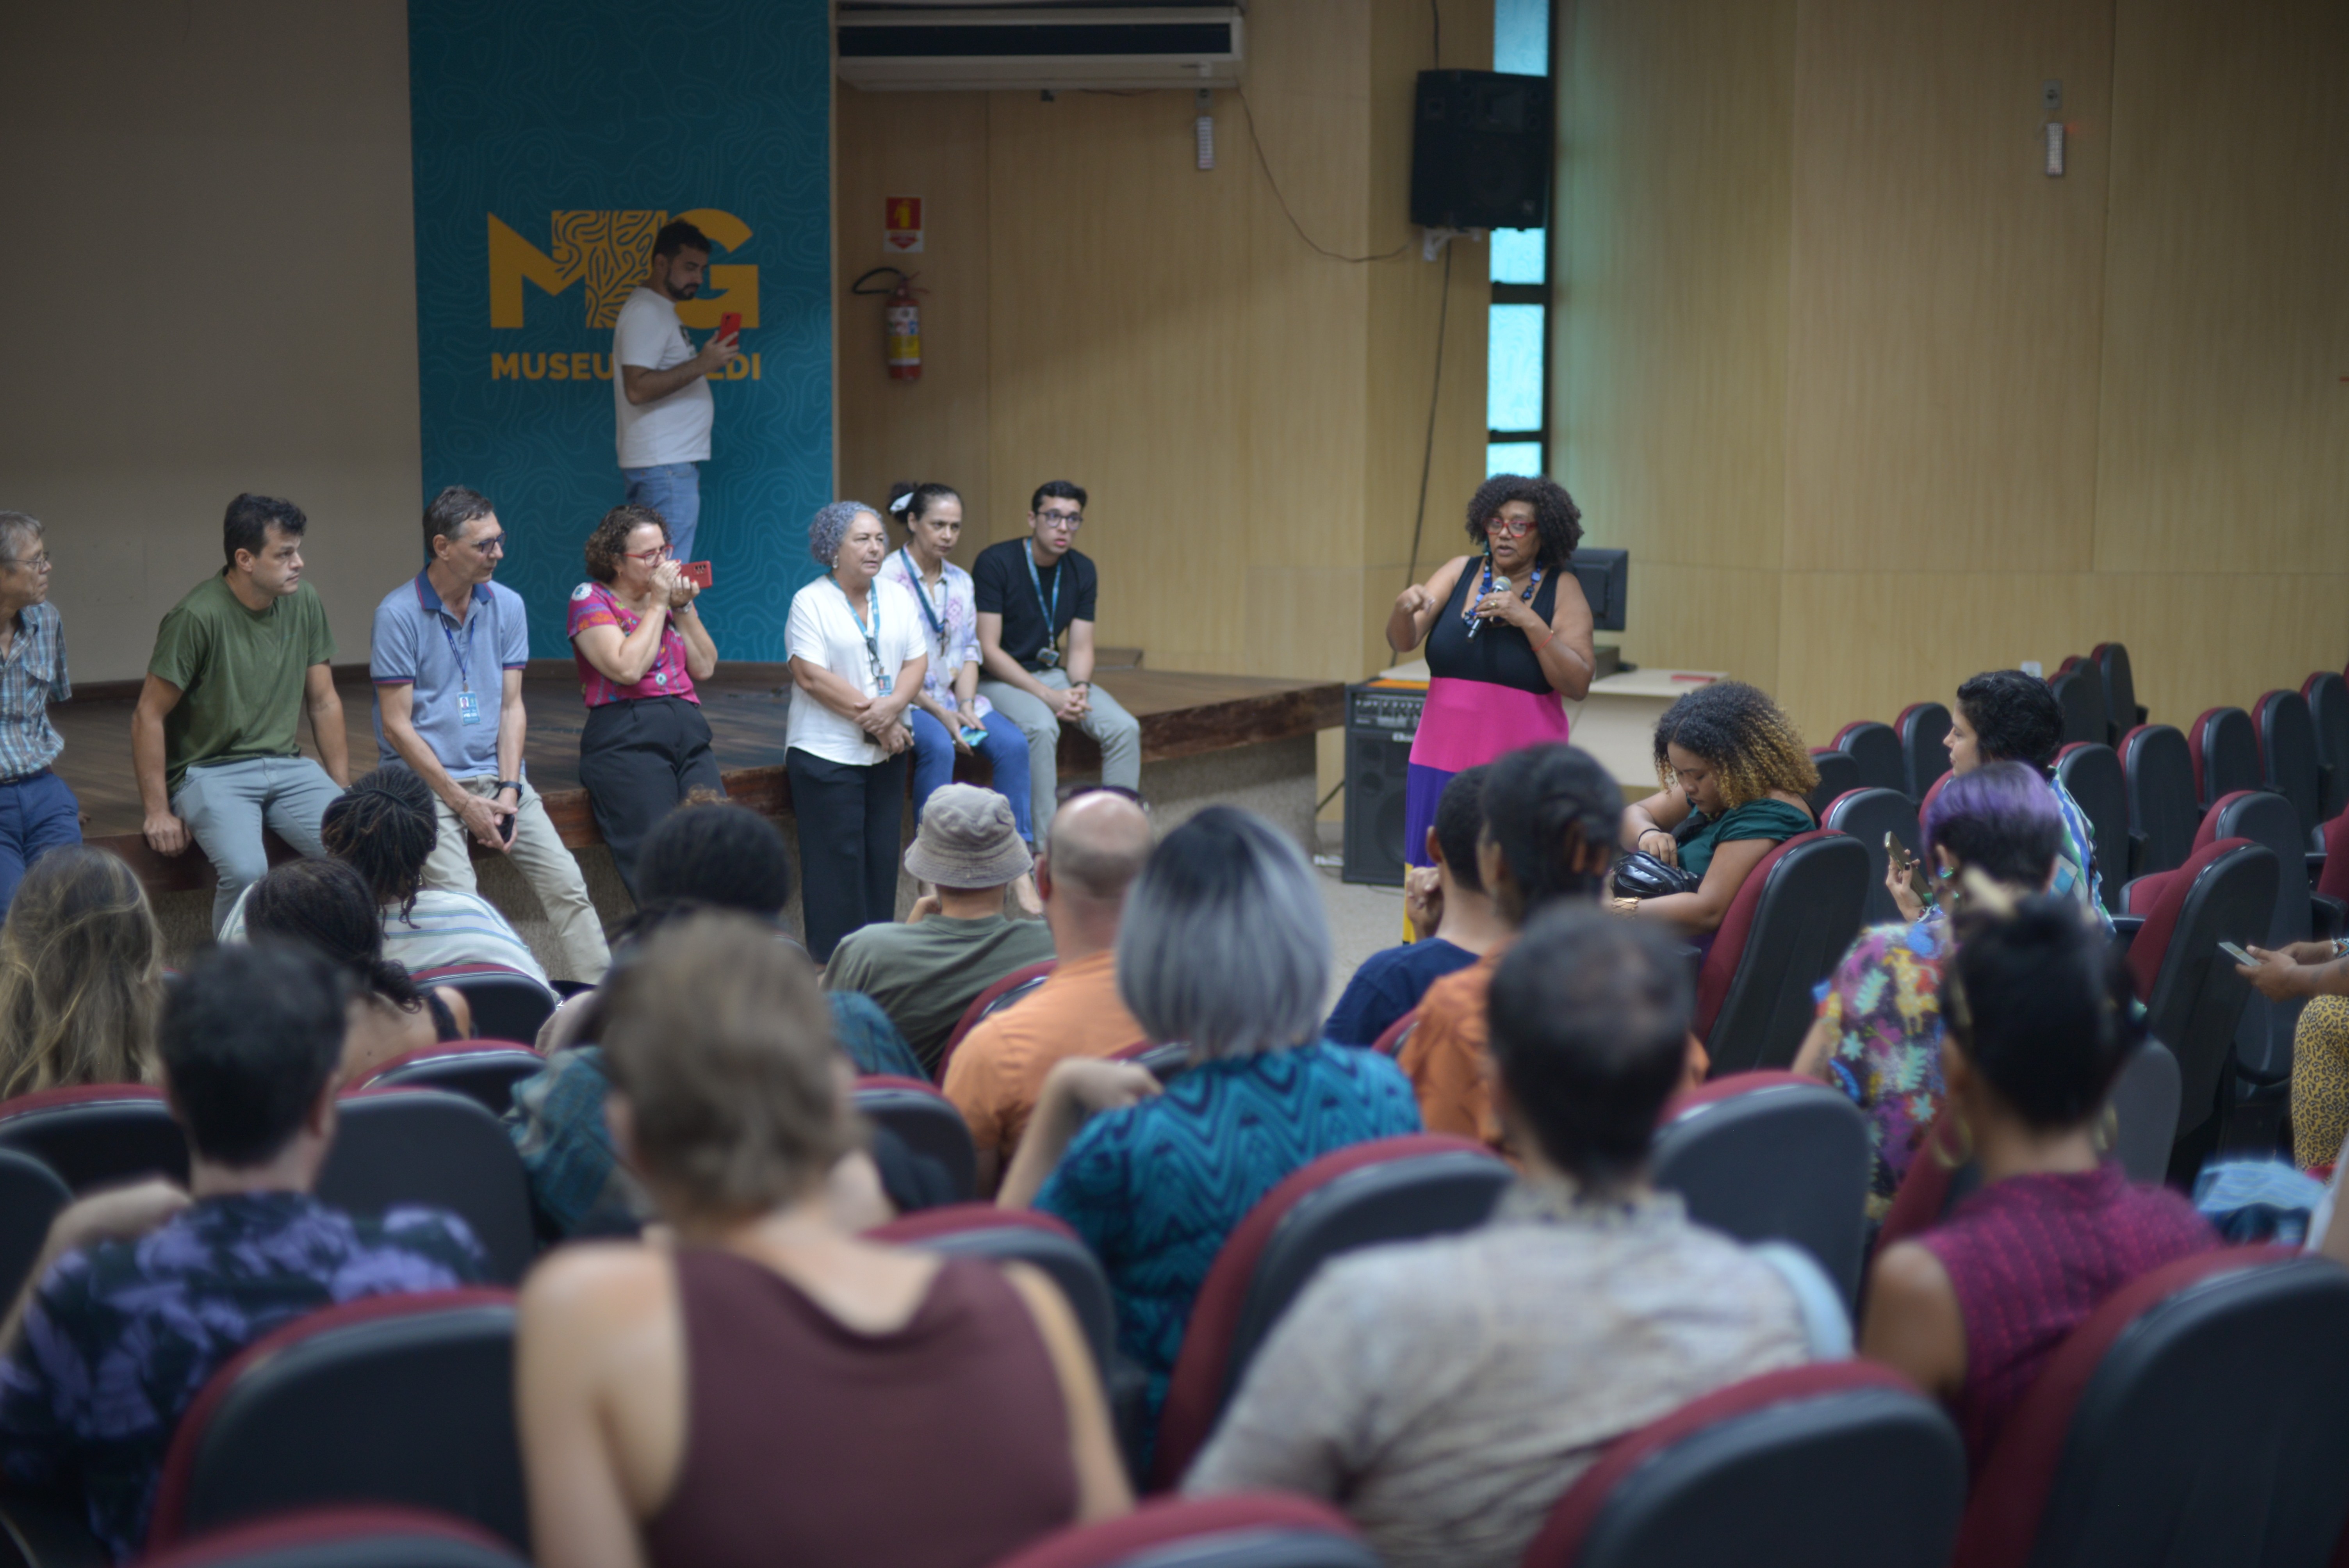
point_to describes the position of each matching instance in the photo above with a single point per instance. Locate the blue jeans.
(38, 814)
(1005, 748)
(673, 490)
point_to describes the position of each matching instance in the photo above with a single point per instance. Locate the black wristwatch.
(506, 784)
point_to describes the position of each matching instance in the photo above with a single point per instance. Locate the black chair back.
(485, 1076)
(97, 1137)
(421, 1147)
(2092, 775)
(1767, 1157)
(357, 1535)
(2193, 997)
(2143, 1104)
(2079, 690)
(1924, 731)
(30, 1196)
(1839, 775)
(1868, 815)
(2163, 809)
(2122, 711)
(507, 1005)
(1806, 916)
(2328, 709)
(2226, 750)
(928, 1121)
(1002, 1236)
(1876, 749)
(2263, 1037)
(2290, 763)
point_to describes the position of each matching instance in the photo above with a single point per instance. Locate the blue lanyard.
(873, 638)
(465, 658)
(1052, 609)
(922, 596)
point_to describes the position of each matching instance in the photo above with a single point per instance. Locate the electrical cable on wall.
(1434, 391)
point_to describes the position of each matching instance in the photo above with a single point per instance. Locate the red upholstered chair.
(2191, 1419)
(2290, 762)
(98, 1135)
(1924, 731)
(2226, 751)
(1237, 1529)
(1792, 920)
(995, 998)
(482, 1070)
(1387, 1190)
(1390, 1040)
(1771, 1157)
(397, 1147)
(1018, 1235)
(1876, 749)
(928, 1121)
(30, 1196)
(402, 1399)
(2331, 893)
(349, 1536)
(1868, 815)
(507, 1004)
(1839, 775)
(2123, 714)
(2092, 775)
(2327, 695)
(2163, 808)
(1733, 1477)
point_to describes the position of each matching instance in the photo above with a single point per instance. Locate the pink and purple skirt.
(1465, 725)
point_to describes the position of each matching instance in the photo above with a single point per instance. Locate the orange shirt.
(996, 1074)
(1444, 1056)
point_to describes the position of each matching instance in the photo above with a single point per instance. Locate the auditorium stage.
(1245, 740)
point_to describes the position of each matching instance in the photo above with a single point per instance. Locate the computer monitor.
(1606, 579)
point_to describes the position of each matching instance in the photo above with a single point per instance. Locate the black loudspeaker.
(1382, 718)
(1480, 151)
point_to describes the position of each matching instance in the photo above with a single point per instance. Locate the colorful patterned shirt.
(121, 1336)
(949, 617)
(32, 677)
(1154, 1189)
(2076, 874)
(1884, 1001)
(594, 604)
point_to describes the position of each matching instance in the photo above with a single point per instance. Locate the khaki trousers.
(539, 854)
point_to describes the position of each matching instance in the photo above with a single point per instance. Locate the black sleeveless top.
(1499, 653)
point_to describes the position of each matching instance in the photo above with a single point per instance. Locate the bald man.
(1098, 843)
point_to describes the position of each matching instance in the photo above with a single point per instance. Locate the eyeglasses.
(649, 557)
(35, 563)
(488, 546)
(1515, 527)
(1072, 520)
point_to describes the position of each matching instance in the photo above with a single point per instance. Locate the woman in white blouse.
(857, 662)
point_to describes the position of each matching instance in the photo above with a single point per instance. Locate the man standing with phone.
(660, 390)
(1028, 592)
(449, 650)
(214, 738)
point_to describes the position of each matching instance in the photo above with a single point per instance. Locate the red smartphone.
(730, 324)
(695, 572)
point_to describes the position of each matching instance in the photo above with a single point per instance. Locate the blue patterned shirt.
(2077, 875)
(1154, 1189)
(121, 1336)
(32, 677)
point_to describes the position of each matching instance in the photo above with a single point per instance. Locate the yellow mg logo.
(608, 252)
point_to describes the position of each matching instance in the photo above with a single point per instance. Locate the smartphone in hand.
(2237, 954)
(730, 324)
(972, 736)
(506, 827)
(1910, 870)
(696, 572)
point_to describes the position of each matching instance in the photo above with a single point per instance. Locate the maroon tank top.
(2030, 1258)
(942, 1444)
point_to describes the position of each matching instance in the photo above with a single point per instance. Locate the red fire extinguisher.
(901, 319)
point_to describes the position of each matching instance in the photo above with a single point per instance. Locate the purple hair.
(2000, 817)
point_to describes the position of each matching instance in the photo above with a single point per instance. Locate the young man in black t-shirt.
(1030, 593)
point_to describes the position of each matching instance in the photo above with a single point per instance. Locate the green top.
(1764, 819)
(924, 975)
(240, 674)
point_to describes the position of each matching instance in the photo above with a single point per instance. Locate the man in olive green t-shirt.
(235, 665)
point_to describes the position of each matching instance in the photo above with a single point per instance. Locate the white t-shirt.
(671, 429)
(823, 630)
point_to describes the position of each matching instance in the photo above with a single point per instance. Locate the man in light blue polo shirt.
(448, 654)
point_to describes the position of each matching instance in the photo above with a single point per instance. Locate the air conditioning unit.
(949, 47)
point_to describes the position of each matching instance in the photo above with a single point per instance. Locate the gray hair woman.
(857, 656)
(1224, 949)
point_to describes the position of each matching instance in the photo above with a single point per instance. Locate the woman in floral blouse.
(1877, 1036)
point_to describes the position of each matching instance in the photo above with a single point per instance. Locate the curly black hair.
(2014, 715)
(1748, 741)
(1558, 521)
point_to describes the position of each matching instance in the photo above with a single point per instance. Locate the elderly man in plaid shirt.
(38, 812)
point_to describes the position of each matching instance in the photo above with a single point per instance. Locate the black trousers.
(851, 820)
(638, 757)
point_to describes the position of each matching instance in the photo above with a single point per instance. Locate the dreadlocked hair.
(1558, 521)
(1751, 746)
(1552, 810)
(81, 976)
(383, 827)
(327, 906)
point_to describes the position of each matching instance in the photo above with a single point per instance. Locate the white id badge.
(888, 685)
(469, 708)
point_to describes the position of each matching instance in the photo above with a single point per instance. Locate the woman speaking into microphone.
(1508, 634)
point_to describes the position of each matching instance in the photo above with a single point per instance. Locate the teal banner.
(553, 138)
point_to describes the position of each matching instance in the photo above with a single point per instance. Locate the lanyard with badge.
(469, 705)
(1050, 653)
(922, 596)
(886, 682)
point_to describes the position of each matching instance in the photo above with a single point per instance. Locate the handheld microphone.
(1500, 585)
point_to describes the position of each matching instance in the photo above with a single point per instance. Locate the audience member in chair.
(1877, 1036)
(1099, 842)
(81, 976)
(2007, 716)
(1224, 948)
(768, 1388)
(1736, 773)
(143, 1292)
(2042, 1018)
(927, 971)
(329, 906)
(384, 828)
(1445, 1392)
(1550, 814)
(2319, 972)
(1448, 906)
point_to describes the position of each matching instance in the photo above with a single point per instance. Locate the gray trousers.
(225, 805)
(1116, 731)
(551, 870)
